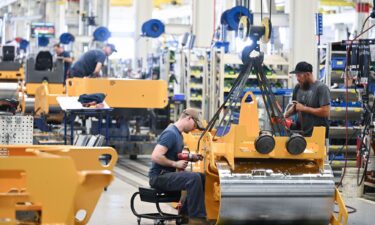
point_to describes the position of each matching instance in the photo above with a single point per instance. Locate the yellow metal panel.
(336, 3)
(156, 3)
(53, 88)
(121, 2)
(12, 75)
(122, 93)
(44, 99)
(55, 179)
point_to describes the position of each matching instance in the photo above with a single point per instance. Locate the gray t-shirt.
(172, 139)
(316, 96)
(86, 64)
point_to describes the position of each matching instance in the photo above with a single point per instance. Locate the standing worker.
(165, 161)
(61, 53)
(311, 100)
(91, 62)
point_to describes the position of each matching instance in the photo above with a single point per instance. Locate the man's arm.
(158, 156)
(322, 111)
(68, 59)
(97, 68)
(290, 112)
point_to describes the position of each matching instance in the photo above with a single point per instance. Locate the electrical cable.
(353, 210)
(347, 97)
(244, 71)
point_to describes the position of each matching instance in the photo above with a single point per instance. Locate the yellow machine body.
(237, 150)
(53, 181)
(122, 93)
(13, 75)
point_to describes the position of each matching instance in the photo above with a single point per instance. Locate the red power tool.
(189, 157)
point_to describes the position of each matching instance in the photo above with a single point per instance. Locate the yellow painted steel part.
(44, 99)
(13, 75)
(31, 88)
(122, 93)
(156, 3)
(238, 143)
(52, 180)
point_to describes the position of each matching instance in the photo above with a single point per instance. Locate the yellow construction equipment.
(122, 93)
(244, 186)
(53, 182)
(15, 75)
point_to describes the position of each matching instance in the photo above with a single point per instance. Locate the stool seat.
(152, 195)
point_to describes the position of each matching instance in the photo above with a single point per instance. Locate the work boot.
(198, 221)
(184, 219)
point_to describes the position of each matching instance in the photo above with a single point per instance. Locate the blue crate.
(179, 97)
(343, 104)
(338, 63)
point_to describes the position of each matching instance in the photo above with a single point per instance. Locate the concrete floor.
(114, 205)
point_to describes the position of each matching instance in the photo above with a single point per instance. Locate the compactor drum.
(248, 186)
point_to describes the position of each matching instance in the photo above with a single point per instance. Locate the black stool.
(156, 196)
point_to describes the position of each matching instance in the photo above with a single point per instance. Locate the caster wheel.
(139, 221)
(133, 157)
(178, 221)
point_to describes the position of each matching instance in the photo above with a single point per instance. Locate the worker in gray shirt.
(165, 161)
(311, 100)
(91, 62)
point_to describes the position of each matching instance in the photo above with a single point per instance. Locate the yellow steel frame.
(122, 93)
(13, 75)
(239, 143)
(44, 99)
(53, 180)
(31, 88)
(41, 91)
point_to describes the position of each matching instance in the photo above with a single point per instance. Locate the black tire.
(133, 157)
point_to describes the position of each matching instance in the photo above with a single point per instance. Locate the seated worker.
(61, 53)
(163, 175)
(91, 62)
(311, 100)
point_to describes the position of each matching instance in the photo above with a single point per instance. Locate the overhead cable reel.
(24, 44)
(43, 41)
(66, 38)
(243, 28)
(101, 34)
(153, 28)
(233, 16)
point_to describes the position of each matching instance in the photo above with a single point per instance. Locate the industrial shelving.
(194, 79)
(345, 104)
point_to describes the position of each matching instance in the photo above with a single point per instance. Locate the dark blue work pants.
(192, 182)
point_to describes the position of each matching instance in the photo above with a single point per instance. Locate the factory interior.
(196, 112)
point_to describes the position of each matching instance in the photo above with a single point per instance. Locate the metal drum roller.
(294, 195)
(29, 104)
(8, 90)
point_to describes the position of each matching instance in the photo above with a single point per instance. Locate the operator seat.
(9, 53)
(44, 61)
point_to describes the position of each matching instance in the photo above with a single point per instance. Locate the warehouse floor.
(114, 205)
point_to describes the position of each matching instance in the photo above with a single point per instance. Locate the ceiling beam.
(4, 3)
